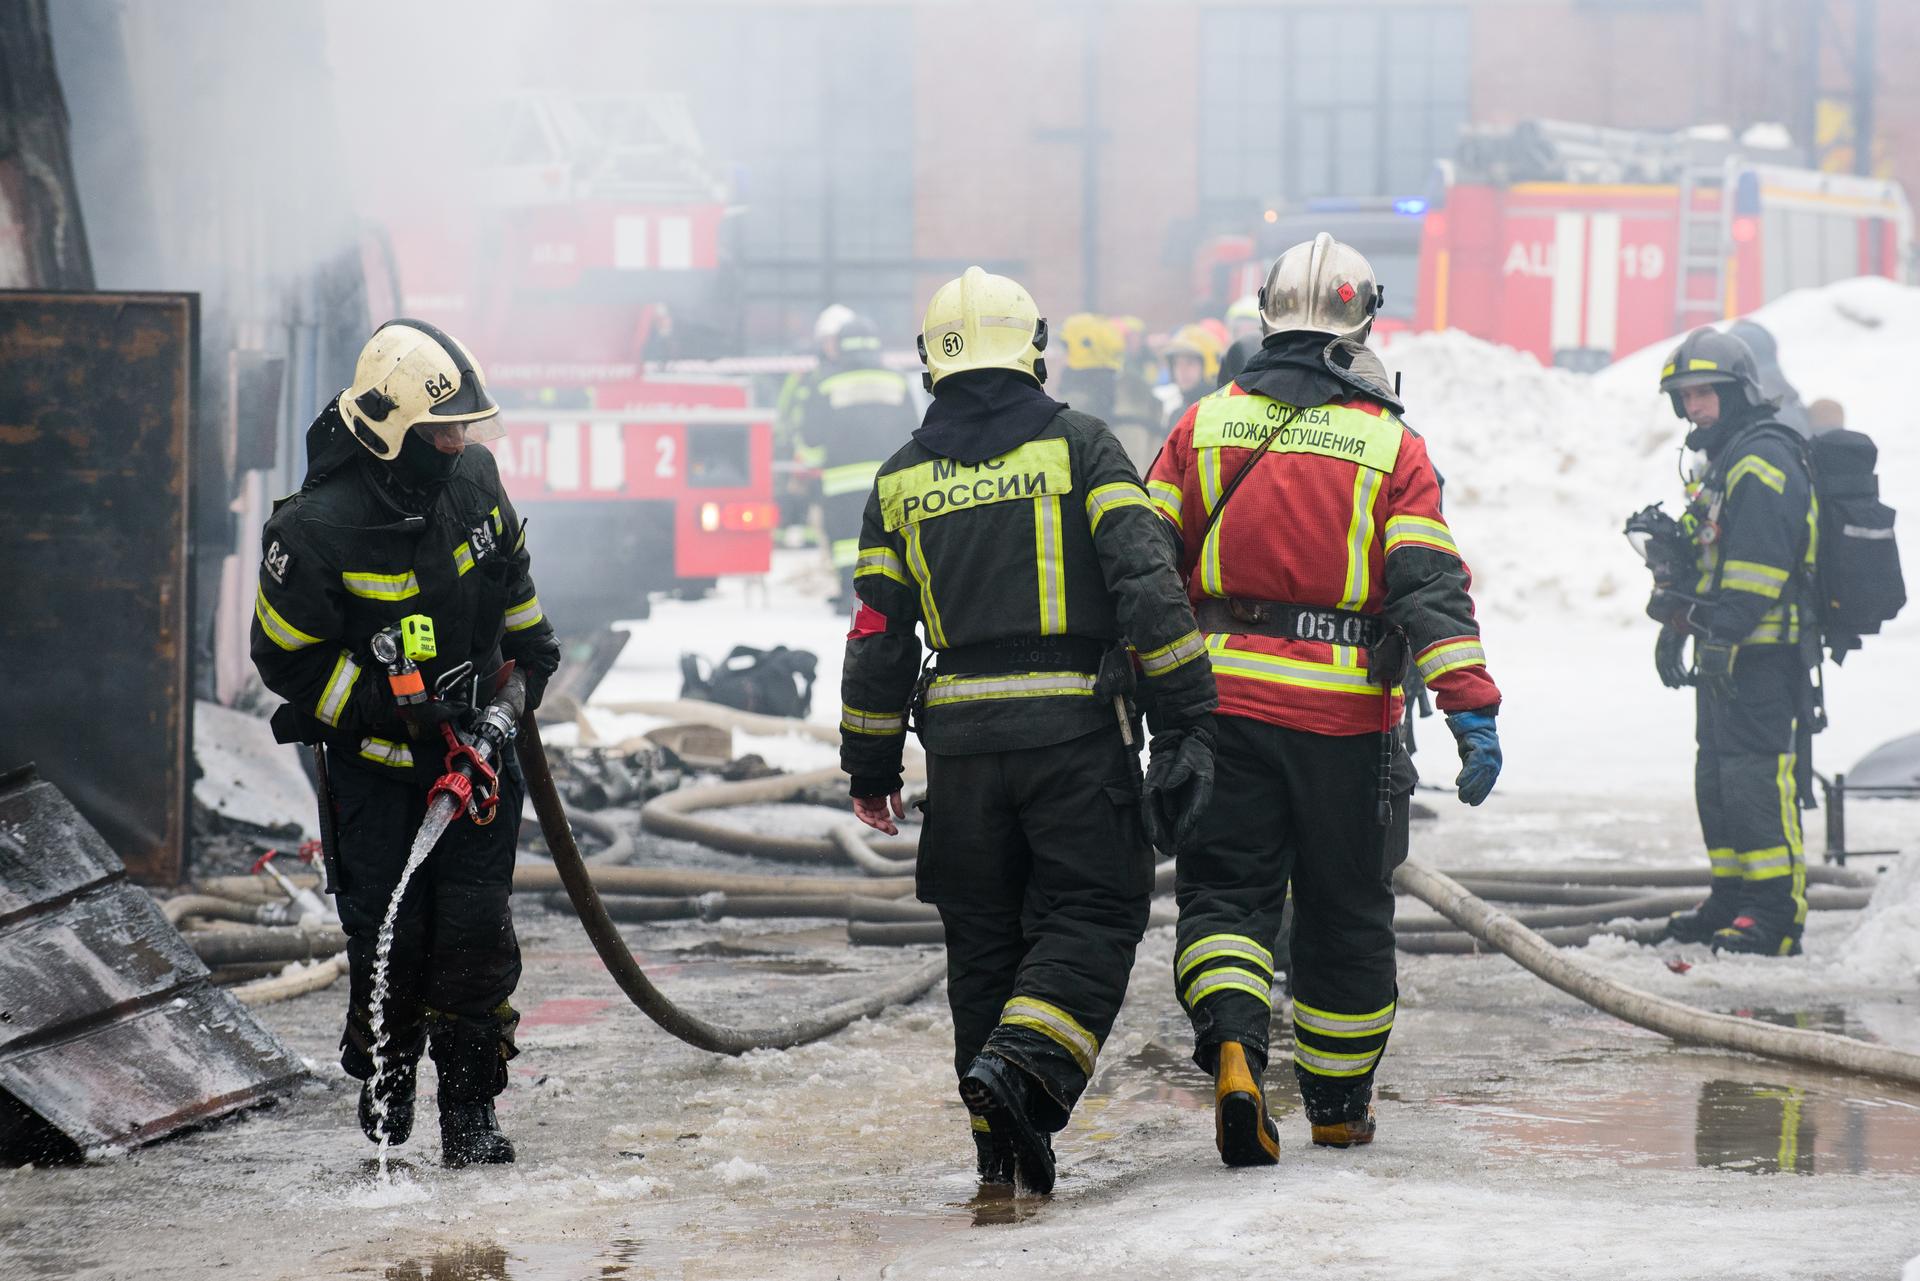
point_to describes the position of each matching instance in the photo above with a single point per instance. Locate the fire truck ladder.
(1704, 242)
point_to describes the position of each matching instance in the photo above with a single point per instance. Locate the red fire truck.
(595, 247)
(1581, 245)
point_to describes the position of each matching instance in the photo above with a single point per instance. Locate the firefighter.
(1243, 325)
(1015, 535)
(1098, 383)
(796, 490)
(1321, 568)
(395, 520)
(1751, 519)
(1193, 362)
(857, 414)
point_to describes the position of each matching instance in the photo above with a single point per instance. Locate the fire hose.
(1673, 1019)
(720, 1038)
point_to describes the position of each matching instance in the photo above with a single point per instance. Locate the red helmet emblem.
(1346, 291)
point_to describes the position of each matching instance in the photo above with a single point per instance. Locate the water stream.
(439, 816)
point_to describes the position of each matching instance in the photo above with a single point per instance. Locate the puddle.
(463, 1263)
(1749, 1126)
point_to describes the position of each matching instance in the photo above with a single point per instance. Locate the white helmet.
(412, 374)
(828, 324)
(982, 321)
(1323, 286)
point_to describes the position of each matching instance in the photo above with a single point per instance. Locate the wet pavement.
(1513, 1119)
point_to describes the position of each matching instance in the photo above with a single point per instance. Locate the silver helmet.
(1323, 286)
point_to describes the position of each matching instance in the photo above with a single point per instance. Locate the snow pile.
(1887, 939)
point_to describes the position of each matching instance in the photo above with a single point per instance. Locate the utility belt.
(1023, 654)
(1236, 615)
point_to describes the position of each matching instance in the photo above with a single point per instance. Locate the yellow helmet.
(1194, 340)
(982, 321)
(410, 374)
(1093, 342)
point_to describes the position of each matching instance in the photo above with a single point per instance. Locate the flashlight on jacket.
(401, 649)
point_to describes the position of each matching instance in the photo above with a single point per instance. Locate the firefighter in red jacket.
(1326, 576)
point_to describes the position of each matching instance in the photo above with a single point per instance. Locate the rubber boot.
(996, 1090)
(396, 1088)
(995, 1155)
(1242, 1130)
(1340, 1117)
(1751, 936)
(470, 1135)
(1698, 923)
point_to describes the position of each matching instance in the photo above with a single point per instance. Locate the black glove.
(536, 688)
(1670, 658)
(1178, 786)
(423, 720)
(1713, 662)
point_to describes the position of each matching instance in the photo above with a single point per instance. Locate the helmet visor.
(447, 435)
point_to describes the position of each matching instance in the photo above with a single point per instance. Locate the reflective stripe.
(1288, 671)
(1050, 569)
(499, 525)
(979, 1125)
(1752, 576)
(1332, 431)
(1166, 500)
(1328, 1063)
(1107, 498)
(339, 687)
(520, 540)
(524, 615)
(1235, 945)
(1445, 656)
(856, 721)
(1055, 1024)
(372, 586)
(1725, 862)
(929, 490)
(880, 560)
(1327, 1023)
(848, 478)
(969, 689)
(1228, 979)
(929, 612)
(277, 628)
(1173, 655)
(1765, 865)
(845, 552)
(1359, 581)
(1419, 531)
(462, 559)
(1761, 470)
(384, 751)
(1210, 571)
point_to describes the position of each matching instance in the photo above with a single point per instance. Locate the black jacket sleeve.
(529, 639)
(1150, 603)
(882, 660)
(297, 639)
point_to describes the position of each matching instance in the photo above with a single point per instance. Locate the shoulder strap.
(1213, 517)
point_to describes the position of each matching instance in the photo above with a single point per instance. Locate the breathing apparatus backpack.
(1857, 584)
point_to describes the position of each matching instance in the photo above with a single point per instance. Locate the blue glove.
(1479, 745)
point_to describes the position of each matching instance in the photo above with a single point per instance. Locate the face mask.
(421, 466)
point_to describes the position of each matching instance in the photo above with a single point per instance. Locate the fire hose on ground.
(1669, 1018)
(707, 1035)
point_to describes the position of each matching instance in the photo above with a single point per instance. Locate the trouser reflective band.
(1765, 865)
(980, 1126)
(1057, 1026)
(1327, 1023)
(1203, 958)
(1228, 979)
(1328, 1063)
(1725, 862)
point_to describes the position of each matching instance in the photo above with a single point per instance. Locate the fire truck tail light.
(1744, 230)
(709, 517)
(747, 517)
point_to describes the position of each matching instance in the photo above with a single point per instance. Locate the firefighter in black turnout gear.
(856, 414)
(1752, 519)
(397, 522)
(1015, 534)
